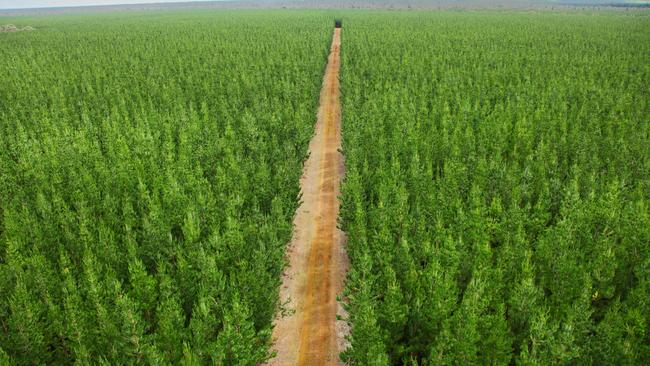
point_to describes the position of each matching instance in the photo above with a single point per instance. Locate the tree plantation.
(149, 173)
(496, 194)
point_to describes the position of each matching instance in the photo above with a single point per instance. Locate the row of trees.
(497, 191)
(149, 170)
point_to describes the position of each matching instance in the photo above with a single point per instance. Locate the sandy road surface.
(311, 335)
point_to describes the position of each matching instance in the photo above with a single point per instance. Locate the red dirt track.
(311, 334)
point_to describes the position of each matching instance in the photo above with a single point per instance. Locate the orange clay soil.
(310, 333)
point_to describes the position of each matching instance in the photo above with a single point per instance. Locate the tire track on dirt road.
(311, 333)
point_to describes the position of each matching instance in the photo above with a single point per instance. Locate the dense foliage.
(149, 168)
(497, 194)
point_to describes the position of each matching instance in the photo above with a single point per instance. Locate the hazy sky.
(12, 4)
(17, 4)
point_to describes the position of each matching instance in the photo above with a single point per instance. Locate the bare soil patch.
(310, 333)
(10, 28)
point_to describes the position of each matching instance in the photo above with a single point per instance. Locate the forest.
(149, 168)
(496, 196)
(497, 188)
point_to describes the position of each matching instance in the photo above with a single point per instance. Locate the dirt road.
(311, 334)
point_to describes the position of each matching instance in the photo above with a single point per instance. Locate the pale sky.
(19, 4)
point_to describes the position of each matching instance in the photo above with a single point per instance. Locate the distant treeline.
(616, 5)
